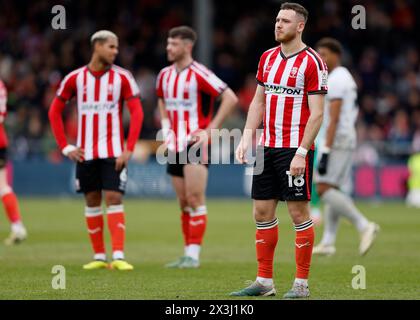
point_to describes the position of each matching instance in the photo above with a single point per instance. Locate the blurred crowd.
(384, 59)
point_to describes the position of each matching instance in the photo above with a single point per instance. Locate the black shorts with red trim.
(271, 179)
(194, 154)
(3, 157)
(100, 174)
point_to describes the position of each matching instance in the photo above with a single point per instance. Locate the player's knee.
(262, 214)
(183, 202)
(194, 199)
(113, 198)
(93, 199)
(321, 188)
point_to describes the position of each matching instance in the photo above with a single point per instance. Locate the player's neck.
(183, 63)
(96, 65)
(331, 67)
(291, 47)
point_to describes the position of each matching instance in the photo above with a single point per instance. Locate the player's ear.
(301, 26)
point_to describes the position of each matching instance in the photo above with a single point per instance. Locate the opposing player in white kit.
(337, 145)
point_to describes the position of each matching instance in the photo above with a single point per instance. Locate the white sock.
(185, 250)
(118, 255)
(331, 225)
(266, 282)
(17, 226)
(99, 256)
(303, 282)
(343, 205)
(193, 251)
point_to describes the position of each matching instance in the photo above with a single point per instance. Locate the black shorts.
(100, 174)
(177, 160)
(273, 181)
(3, 157)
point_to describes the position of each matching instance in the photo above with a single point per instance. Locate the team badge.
(294, 72)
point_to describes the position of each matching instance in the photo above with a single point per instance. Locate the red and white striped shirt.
(99, 101)
(288, 81)
(189, 98)
(3, 112)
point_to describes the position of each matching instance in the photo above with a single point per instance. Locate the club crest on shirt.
(293, 72)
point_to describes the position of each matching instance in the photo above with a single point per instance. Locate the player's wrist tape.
(166, 124)
(302, 152)
(67, 149)
(166, 127)
(325, 149)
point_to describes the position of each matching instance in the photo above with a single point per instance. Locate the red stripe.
(288, 103)
(307, 179)
(175, 89)
(318, 59)
(120, 114)
(304, 116)
(270, 63)
(201, 69)
(272, 120)
(175, 123)
(111, 86)
(95, 135)
(83, 131)
(187, 85)
(167, 83)
(273, 103)
(187, 121)
(84, 88)
(97, 88)
(109, 135)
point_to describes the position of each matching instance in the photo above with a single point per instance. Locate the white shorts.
(339, 169)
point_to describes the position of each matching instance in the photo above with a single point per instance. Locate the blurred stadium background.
(384, 59)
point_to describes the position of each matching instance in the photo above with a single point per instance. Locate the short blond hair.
(102, 36)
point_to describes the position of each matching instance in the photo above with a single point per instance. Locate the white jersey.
(341, 85)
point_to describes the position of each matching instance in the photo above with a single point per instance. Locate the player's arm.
(55, 114)
(130, 92)
(136, 122)
(253, 121)
(164, 119)
(316, 107)
(335, 109)
(3, 102)
(227, 105)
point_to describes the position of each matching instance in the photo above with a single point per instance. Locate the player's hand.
(241, 152)
(76, 155)
(297, 166)
(122, 160)
(201, 136)
(323, 164)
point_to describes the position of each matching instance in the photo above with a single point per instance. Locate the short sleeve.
(209, 83)
(316, 76)
(129, 87)
(337, 89)
(159, 85)
(260, 72)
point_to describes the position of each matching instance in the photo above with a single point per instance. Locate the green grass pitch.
(57, 236)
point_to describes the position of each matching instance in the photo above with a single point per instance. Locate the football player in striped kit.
(101, 88)
(186, 93)
(10, 201)
(289, 100)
